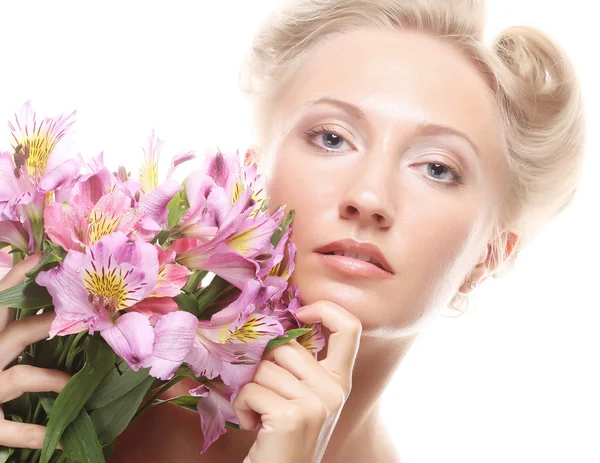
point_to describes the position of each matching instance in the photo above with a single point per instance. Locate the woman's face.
(417, 171)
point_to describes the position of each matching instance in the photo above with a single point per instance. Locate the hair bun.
(546, 80)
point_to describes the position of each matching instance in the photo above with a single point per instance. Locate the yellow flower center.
(101, 225)
(249, 332)
(40, 147)
(107, 289)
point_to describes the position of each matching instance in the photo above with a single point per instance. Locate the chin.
(369, 300)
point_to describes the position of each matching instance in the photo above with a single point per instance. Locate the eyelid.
(326, 128)
(447, 157)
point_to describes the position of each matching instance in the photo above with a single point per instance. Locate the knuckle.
(291, 417)
(315, 410)
(337, 398)
(17, 374)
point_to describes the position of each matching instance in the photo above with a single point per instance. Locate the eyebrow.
(423, 128)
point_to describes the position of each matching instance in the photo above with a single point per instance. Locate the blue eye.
(439, 172)
(329, 139)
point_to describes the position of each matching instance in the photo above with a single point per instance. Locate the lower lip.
(354, 267)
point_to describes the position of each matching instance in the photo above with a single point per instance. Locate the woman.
(386, 123)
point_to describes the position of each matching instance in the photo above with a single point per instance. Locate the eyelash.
(322, 130)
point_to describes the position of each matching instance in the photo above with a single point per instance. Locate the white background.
(514, 380)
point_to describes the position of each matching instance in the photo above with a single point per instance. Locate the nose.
(368, 197)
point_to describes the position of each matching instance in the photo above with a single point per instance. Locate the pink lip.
(358, 265)
(354, 267)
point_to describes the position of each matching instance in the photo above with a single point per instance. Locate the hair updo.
(532, 79)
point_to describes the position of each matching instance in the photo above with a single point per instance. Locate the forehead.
(400, 78)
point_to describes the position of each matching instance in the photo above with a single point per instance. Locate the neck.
(355, 433)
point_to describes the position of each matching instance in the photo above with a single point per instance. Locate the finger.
(19, 379)
(280, 381)
(296, 359)
(22, 435)
(254, 400)
(22, 333)
(16, 275)
(344, 339)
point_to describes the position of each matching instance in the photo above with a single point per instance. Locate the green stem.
(74, 350)
(65, 351)
(155, 396)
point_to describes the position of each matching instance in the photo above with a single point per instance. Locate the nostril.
(351, 210)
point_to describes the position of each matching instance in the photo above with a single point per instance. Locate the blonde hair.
(532, 79)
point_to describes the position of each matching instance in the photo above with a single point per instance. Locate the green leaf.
(52, 254)
(114, 387)
(112, 419)
(28, 295)
(108, 450)
(5, 453)
(80, 442)
(188, 402)
(187, 303)
(212, 292)
(288, 336)
(277, 234)
(194, 280)
(99, 359)
(177, 207)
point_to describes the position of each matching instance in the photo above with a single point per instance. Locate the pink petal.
(171, 279)
(10, 186)
(66, 288)
(61, 222)
(202, 362)
(179, 159)
(131, 337)
(64, 173)
(64, 326)
(155, 307)
(14, 233)
(154, 204)
(6, 261)
(214, 410)
(174, 336)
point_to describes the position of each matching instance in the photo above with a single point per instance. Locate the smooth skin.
(379, 180)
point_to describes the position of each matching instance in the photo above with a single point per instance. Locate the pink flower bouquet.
(150, 281)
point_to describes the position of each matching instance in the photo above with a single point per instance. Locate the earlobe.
(488, 263)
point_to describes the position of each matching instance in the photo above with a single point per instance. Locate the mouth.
(358, 254)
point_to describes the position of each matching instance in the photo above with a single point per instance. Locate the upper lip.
(365, 248)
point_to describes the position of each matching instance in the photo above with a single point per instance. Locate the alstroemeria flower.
(155, 196)
(80, 223)
(231, 344)
(34, 169)
(235, 178)
(92, 291)
(214, 409)
(234, 251)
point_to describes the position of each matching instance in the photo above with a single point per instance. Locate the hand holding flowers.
(124, 265)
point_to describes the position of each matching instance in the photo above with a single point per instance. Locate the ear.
(487, 264)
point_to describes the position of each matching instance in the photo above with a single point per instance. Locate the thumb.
(16, 275)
